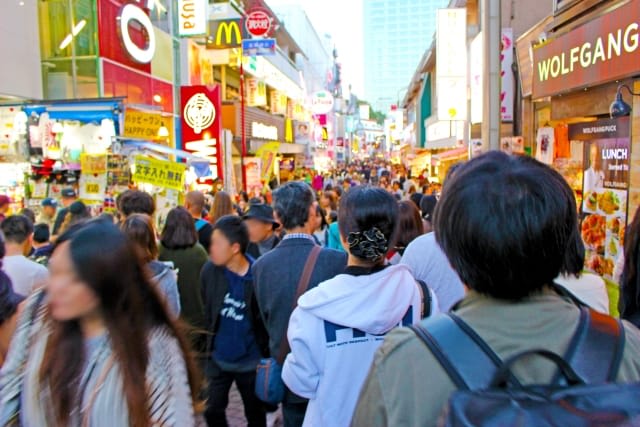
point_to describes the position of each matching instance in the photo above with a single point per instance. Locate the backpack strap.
(596, 350)
(425, 294)
(467, 363)
(200, 223)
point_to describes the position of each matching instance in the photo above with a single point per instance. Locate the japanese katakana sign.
(139, 124)
(159, 172)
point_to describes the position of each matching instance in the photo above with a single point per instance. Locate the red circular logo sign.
(258, 23)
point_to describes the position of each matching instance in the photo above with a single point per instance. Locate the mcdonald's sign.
(226, 34)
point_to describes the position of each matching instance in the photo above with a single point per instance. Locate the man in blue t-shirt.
(238, 337)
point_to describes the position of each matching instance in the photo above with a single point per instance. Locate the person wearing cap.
(48, 212)
(5, 201)
(43, 249)
(261, 224)
(68, 197)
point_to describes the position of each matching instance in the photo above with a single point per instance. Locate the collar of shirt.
(298, 236)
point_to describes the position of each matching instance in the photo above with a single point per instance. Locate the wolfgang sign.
(601, 50)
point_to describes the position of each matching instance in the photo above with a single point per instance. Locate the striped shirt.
(103, 401)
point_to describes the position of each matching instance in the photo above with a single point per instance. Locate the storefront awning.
(442, 143)
(458, 153)
(82, 111)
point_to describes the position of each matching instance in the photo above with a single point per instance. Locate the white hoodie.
(334, 333)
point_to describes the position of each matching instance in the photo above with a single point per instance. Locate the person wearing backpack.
(194, 203)
(507, 250)
(337, 326)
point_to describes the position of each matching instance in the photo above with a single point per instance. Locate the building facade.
(396, 34)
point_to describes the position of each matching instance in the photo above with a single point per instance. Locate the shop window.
(60, 82)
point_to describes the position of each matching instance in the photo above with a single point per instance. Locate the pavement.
(235, 411)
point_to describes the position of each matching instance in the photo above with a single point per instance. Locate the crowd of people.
(108, 321)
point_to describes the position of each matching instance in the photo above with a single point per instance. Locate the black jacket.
(254, 251)
(214, 286)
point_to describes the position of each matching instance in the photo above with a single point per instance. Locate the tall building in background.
(316, 61)
(396, 34)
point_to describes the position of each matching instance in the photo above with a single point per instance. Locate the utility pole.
(491, 40)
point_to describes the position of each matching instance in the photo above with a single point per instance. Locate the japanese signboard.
(201, 123)
(93, 163)
(143, 125)
(159, 172)
(192, 17)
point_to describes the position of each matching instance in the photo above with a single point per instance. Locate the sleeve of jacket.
(301, 372)
(204, 292)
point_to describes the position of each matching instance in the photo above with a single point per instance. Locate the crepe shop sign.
(133, 13)
(601, 50)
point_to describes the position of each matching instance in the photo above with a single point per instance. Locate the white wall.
(20, 68)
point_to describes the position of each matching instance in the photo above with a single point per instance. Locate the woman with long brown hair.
(222, 206)
(98, 347)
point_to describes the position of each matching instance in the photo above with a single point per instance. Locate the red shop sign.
(201, 123)
(258, 23)
(599, 51)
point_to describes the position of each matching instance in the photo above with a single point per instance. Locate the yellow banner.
(93, 163)
(139, 124)
(159, 172)
(268, 154)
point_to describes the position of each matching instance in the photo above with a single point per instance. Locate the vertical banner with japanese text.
(202, 124)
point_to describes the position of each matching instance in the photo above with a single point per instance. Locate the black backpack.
(583, 393)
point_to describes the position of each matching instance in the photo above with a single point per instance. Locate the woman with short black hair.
(338, 325)
(179, 245)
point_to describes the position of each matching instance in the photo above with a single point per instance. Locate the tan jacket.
(407, 386)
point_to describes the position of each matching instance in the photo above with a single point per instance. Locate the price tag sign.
(93, 164)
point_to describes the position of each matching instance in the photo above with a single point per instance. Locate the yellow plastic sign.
(93, 163)
(159, 172)
(142, 125)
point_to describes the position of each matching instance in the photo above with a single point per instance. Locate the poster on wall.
(605, 190)
(254, 173)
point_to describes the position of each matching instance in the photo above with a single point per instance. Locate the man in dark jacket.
(238, 338)
(262, 225)
(276, 274)
(194, 203)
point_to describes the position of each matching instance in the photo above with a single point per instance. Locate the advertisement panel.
(451, 66)
(201, 124)
(143, 125)
(256, 95)
(604, 49)
(192, 17)
(605, 190)
(161, 173)
(506, 76)
(226, 34)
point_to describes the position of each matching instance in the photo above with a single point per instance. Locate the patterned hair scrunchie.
(370, 244)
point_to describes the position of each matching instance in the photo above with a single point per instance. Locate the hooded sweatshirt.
(167, 280)
(335, 331)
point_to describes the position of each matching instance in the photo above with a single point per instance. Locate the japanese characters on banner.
(607, 163)
(201, 124)
(256, 92)
(93, 163)
(161, 173)
(507, 79)
(143, 125)
(278, 102)
(507, 93)
(253, 167)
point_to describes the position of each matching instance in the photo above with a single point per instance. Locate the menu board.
(605, 190)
